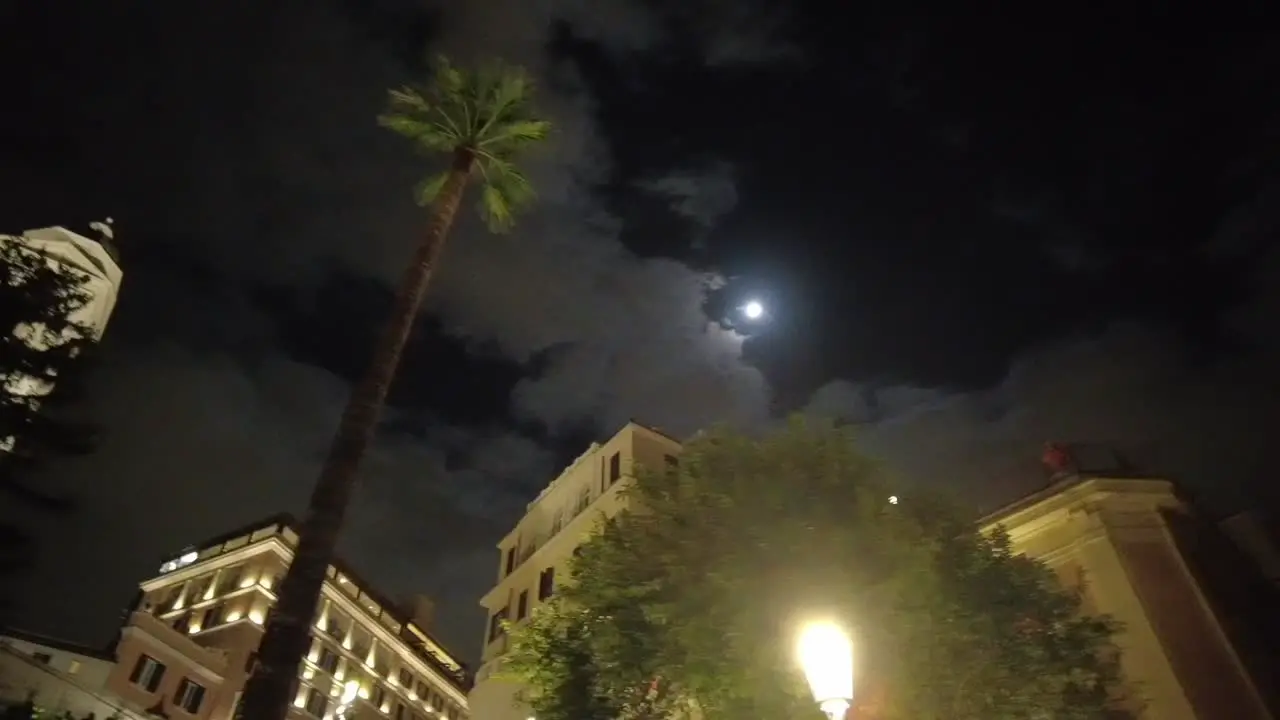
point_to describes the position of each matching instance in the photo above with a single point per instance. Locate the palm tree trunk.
(270, 689)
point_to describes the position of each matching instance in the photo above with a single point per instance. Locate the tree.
(42, 361)
(692, 597)
(482, 121)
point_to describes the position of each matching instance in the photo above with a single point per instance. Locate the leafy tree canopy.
(693, 597)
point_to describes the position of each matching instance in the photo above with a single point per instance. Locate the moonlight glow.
(753, 310)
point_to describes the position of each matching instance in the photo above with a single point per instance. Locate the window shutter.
(156, 677)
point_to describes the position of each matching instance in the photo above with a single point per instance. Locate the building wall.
(555, 523)
(68, 682)
(1112, 537)
(102, 285)
(202, 619)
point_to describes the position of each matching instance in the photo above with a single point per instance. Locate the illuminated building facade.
(186, 646)
(534, 556)
(1140, 553)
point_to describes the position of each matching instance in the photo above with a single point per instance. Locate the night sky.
(975, 230)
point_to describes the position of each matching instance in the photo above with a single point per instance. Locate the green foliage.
(485, 117)
(35, 296)
(695, 594)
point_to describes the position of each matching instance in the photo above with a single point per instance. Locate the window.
(511, 560)
(400, 713)
(406, 679)
(210, 618)
(522, 605)
(615, 467)
(189, 696)
(495, 624)
(452, 712)
(42, 658)
(378, 694)
(328, 661)
(423, 692)
(317, 703)
(546, 583)
(584, 499)
(147, 673)
(182, 622)
(671, 461)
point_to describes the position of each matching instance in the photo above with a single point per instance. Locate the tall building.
(95, 260)
(533, 557)
(187, 644)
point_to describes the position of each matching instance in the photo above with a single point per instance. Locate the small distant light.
(893, 499)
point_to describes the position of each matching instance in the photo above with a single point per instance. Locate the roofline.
(652, 429)
(100, 653)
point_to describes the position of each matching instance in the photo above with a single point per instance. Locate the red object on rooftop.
(1056, 458)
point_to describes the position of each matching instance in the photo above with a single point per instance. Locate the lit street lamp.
(826, 655)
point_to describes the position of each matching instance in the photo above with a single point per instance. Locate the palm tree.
(482, 120)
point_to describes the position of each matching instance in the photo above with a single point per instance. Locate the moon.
(753, 310)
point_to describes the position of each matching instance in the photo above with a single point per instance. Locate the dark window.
(672, 461)
(452, 712)
(400, 712)
(147, 673)
(182, 622)
(495, 624)
(210, 618)
(522, 605)
(615, 468)
(317, 703)
(511, 560)
(406, 679)
(328, 661)
(189, 696)
(546, 583)
(378, 695)
(335, 629)
(423, 692)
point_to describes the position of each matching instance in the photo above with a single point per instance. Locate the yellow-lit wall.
(556, 522)
(1112, 537)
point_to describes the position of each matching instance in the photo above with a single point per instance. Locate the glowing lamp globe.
(753, 310)
(826, 655)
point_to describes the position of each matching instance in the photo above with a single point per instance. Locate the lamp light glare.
(753, 310)
(826, 655)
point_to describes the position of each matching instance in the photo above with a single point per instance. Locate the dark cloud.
(262, 166)
(1206, 423)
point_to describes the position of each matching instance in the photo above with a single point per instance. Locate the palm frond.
(506, 192)
(488, 111)
(518, 133)
(429, 189)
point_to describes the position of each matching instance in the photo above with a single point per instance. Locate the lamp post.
(826, 655)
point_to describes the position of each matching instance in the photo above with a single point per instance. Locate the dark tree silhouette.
(40, 349)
